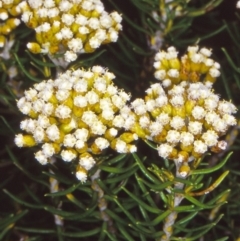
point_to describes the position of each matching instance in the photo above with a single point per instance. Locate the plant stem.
(102, 203)
(54, 187)
(170, 219)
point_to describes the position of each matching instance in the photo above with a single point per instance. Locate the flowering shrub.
(8, 16)
(79, 114)
(69, 27)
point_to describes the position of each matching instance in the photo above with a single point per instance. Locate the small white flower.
(69, 140)
(163, 118)
(80, 144)
(43, 121)
(200, 147)
(48, 150)
(166, 83)
(186, 138)
(118, 101)
(75, 44)
(144, 121)
(211, 116)
(100, 85)
(161, 101)
(177, 100)
(67, 18)
(81, 86)
(174, 73)
(82, 134)
(47, 109)
(177, 122)
(41, 158)
(195, 127)
(210, 137)
(118, 121)
(63, 112)
(198, 112)
(68, 155)
(81, 176)
(98, 128)
(70, 56)
(160, 74)
(121, 146)
(87, 162)
(62, 95)
(214, 72)
(164, 150)
(106, 21)
(155, 128)
(173, 137)
(30, 94)
(229, 119)
(101, 143)
(39, 134)
(197, 58)
(18, 140)
(108, 114)
(93, 23)
(65, 5)
(206, 52)
(113, 132)
(53, 132)
(219, 125)
(80, 101)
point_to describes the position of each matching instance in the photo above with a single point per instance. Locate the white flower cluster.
(70, 26)
(195, 64)
(79, 114)
(10, 9)
(186, 118)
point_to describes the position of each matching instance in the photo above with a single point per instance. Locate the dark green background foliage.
(135, 195)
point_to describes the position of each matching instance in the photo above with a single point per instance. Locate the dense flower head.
(78, 115)
(182, 114)
(70, 27)
(9, 10)
(195, 66)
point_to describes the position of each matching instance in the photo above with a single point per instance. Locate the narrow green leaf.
(102, 236)
(145, 191)
(18, 200)
(119, 178)
(160, 218)
(124, 232)
(7, 221)
(116, 170)
(82, 234)
(65, 192)
(70, 215)
(7, 125)
(110, 236)
(116, 159)
(144, 169)
(36, 230)
(189, 208)
(187, 218)
(127, 213)
(231, 62)
(39, 62)
(212, 169)
(197, 203)
(141, 203)
(24, 70)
